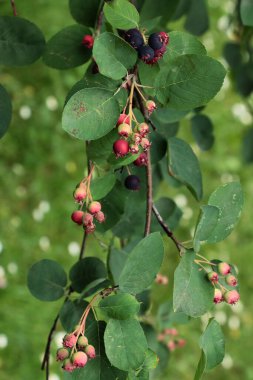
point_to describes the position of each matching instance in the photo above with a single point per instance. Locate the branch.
(166, 229)
(149, 195)
(14, 9)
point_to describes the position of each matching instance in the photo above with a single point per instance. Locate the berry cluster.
(93, 211)
(170, 339)
(76, 352)
(221, 293)
(149, 50)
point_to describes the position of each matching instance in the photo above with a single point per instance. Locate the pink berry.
(79, 359)
(87, 219)
(77, 217)
(68, 366)
(160, 337)
(151, 106)
(171, 345)
(213, 277)
(121, 148)
(218, 296)
(90, 228)
(172, 332)
(123, 118)
(224, 268)
(137, 138)
(100, 216)
(142, 160)
(162, 280)
(181, 342)
(231, 297)
(88, 41)
(69, 340)
(143, 129)
(145, 143)
(62, 354)
(94, 207)
(80, 194)
(134, 148)
(124, 130)
(164, 38)
(231, 280)
(90, 351)
(82, 342)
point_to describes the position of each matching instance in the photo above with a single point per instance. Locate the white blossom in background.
(44, 243)
(58, 338)
(3, 279)
(52, 103)
(227, 362)
(21, 191)
(3, 341)
(44, 206)
(12, 268)
(180, 200)
(221, 317)
(209, 43)
(18, 169)
(53, 376)
(74, 248)
(240, 112)
(234, 322)
(38, 215)
(238, 307)
(25, 112)
(223, 23)
(187, 213)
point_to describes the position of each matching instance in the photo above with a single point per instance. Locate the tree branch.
(14, 9)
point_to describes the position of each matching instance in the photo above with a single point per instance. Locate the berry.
(69, 340)
(231, 280)
(62, 354)
(94, 207)
(151, 106)
(79, 359)
(218, 297)
(172, 331)
(124, 130)
(100, 216)
(82, 342)
(134, 148)
(160, 52)
(224, 268)
(90, 228)
(68, 365)
(77, 217)
(143, 129)
(146, 53)
(181, 343)
(155, 41)
(142, 160)
(137, 138)
(90, 351)
(171, 345)
(231, 297)
(134, 38)
(213, 277)
(164, 38)
(121, 148)
(123, 118)
(145, 143)
(87, 219)
(161, 280)
(132, 182)
(80, 193)
(88, 41)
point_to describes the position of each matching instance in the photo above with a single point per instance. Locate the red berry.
(218, 297)
(79, 359)
(100, 216)
(231, 280)
(224, 268)
(213, 277)
(77, 217)
(94, 207)
(88, 41)
(121, 148)
(165, 38)
(80, 194)
(142, 160)
(123, 118)
(90, 351)
(124, 130)
(231, 297)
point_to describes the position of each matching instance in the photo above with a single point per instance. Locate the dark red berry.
(88, 41)
(121, 148)
(132, 182)
(155, 41)
(164, 37)
(134, 38)
(142, 160)
(146, 53)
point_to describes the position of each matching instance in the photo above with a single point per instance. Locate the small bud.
(62, 354)
(88, 41)
(123, 118)
(162, 280)
(82, 342)
(231, 297)
(151, 106)
(69, 340)
(79, 359)
(100, 216)
(80, 194)
(142, 160)
(68, 365)
(90, 351)
(87, 219)
(213, 277)
(134, 148)
(218, 297)
(143, 129)
(231, 280)
(124, 130)
(224, 268)
(145, 143)
(77, 217)
(94, 207)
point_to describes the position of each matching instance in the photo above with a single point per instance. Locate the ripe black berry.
(134, 38)
(132, 182)
(155, 41)
(146, 53)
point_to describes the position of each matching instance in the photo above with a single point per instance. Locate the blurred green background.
(40, 165)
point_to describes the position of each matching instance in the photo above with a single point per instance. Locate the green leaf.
(71, 313)
(247, 146)
(100, 150)
(159, 146)
(5, 111)
(119, 306)
(184, 166)
(229, 200)
(192, 293)
(213, 344)
(163, 8)
(121, 14)
(86, 271)
(65, 50)
(21, 41)
(84, 12)
(246, 10)
(169, 115)
(90, 113)
(125, 344)
(148, 74)
(142, 264)
(122, 161)
(113, 55)
(202, 131)
(182, 43)
(189, 81)
(207, 223)
(167, 317)
(101, 186)
(201, 367)
(197, 21)
(116, 262)
(47, 280)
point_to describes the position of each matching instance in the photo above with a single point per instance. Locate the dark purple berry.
(134, 38)
(146, 53)
(132, 182)
(155, 41)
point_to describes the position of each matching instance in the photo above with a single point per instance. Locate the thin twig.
(166, 229)
(14, 9)
(149, 195)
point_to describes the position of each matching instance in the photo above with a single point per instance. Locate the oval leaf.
(246, 10)
(206, 225)
(121, 14)
(5, 111)
(101, 186)
(84, 12)
(47, 280)
(213, 344)
(119, 306)
(202, 131)
(71, 313)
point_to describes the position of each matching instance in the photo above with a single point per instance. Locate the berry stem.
(14, 9)
(149, 194)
